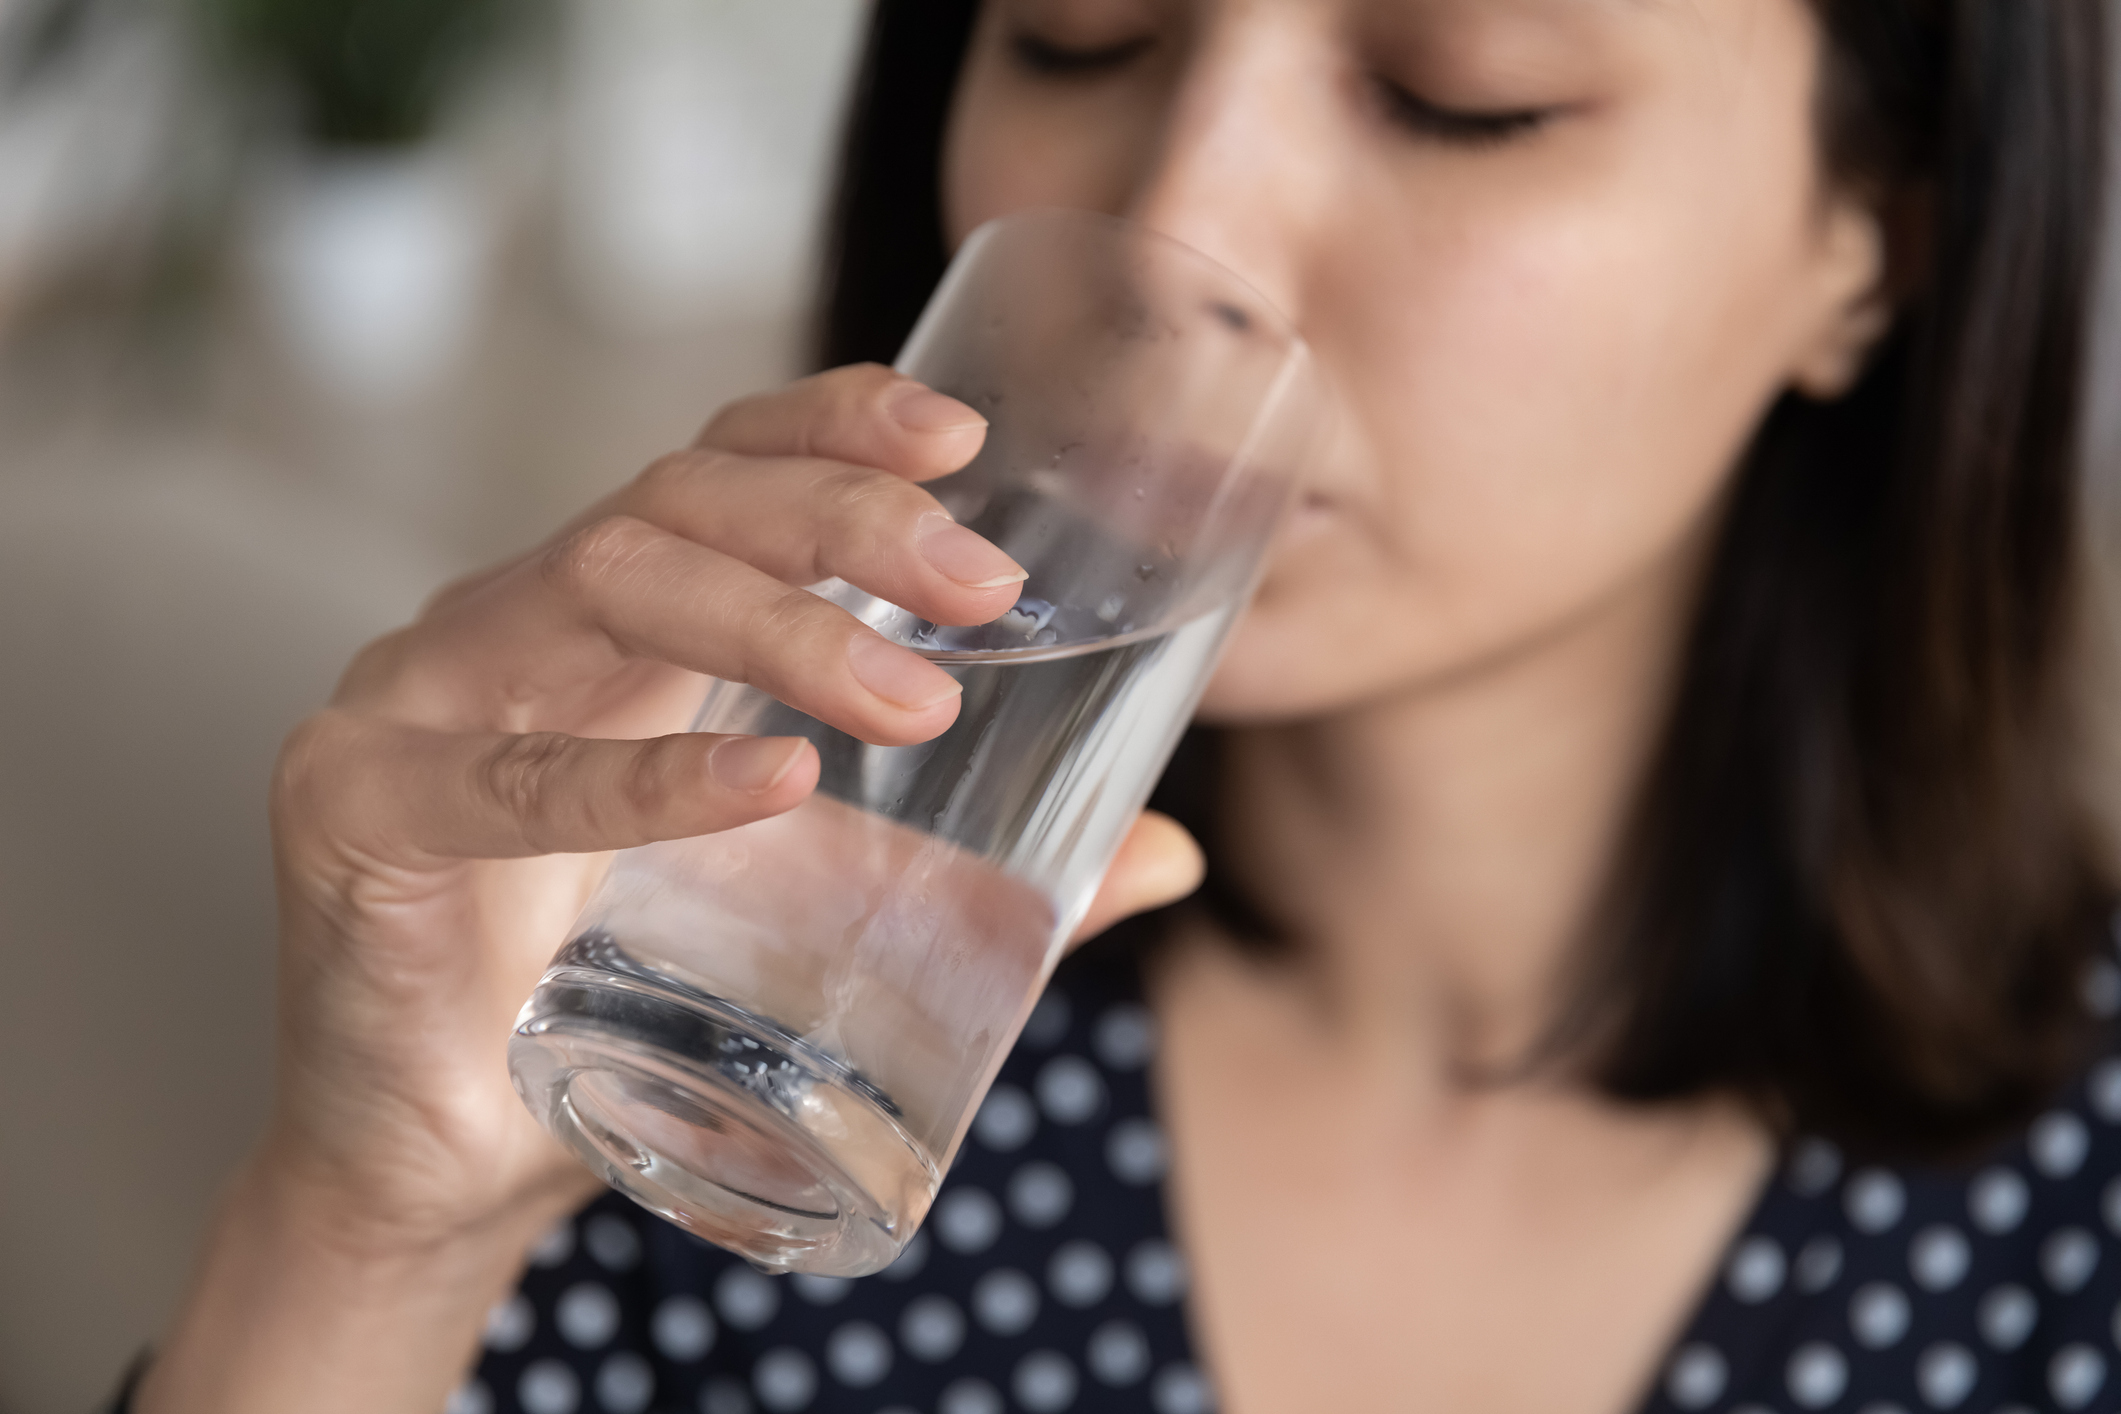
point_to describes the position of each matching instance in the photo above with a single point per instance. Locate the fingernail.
(753, 765)
(901, 678)
(964, 555)
(919, 409)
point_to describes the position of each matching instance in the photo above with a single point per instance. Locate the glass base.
(718, 1119)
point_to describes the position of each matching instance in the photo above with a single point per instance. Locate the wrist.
(308, 1299)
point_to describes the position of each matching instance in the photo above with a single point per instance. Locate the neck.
(1437, 855)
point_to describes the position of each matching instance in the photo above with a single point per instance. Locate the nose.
(1240, 162)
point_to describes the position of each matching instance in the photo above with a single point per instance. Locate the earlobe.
(1837, 359)
(1857, 307)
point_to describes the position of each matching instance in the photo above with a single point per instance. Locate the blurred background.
(305, 307)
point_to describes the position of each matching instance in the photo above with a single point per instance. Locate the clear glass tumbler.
(776, 1036)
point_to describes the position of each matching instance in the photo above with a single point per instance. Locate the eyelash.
(1408, 110)
(1051, 60)
(1425, 119)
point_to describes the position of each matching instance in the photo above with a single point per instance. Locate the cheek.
(1547, 392)
(1007, 150)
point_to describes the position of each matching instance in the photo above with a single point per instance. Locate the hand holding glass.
(776, 1036)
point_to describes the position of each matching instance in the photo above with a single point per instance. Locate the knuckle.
(648, 785)
(580, 564)
(313, 760)
(729, 415)
(780, 627)
(673, 471)
(518, 775)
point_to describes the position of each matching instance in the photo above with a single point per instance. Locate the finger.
(624, 590)
(1157, 864)
(866, 414)
(804, 520)
(417, 796)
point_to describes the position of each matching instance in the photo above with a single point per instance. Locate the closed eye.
(1462, 127)
(1042, 56)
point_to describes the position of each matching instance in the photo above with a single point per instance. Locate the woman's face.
(1557, 256)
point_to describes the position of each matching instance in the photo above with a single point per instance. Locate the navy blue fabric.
(1045, 1279)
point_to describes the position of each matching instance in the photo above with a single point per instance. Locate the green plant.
(363, 72)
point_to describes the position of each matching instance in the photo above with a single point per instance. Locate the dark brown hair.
(1859, 887)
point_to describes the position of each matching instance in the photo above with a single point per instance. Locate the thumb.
(1157, 864)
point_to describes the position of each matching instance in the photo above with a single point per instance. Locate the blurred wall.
(201, 517)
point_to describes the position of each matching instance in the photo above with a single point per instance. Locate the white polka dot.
(2103, 1090)
(1879, 1315)
(1755, 1270)
(1946, 1374)
(967, 1220)
(1697, 1376)
(1874, 1201)
(821, 1291)
(625, 1383)
(931, 1328)
(969, 1397)
(1816, 1375)
(1125, 1037)
(510, 1324)
(683, 1329)
(1819, 1264)
(587, 1315)
(612, 1241)
(1070, 1090)
(1048, 1022)
(785, 1379)
(1079, 1274)
(1180, 1389)
(1118, 1354)
(1006, 1120)
(2068, 1258)
(554, 1247)
(470, 1397)
(2101, 989)
(2058, 1142)
(1135, 1151)
(1040, 1194)
(548, 1387)
(1938, 1257)
(1005, 1301)
(1996, 1200)
(1814, 1167)
(1155, 1273)
(2006, 1316)
(911, 1258)
(1044, 1382)
(746, 1300)
(858, 1354)
(2076, 1375)
(724, 1395)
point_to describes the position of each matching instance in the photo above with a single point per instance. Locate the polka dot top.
(1046, 1279)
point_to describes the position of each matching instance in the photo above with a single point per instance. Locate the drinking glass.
(776, 1036)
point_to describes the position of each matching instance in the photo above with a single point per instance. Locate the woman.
(1650, 759)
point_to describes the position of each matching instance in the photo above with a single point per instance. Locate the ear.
(1854, 307)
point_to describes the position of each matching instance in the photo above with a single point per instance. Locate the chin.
(1256, 684)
